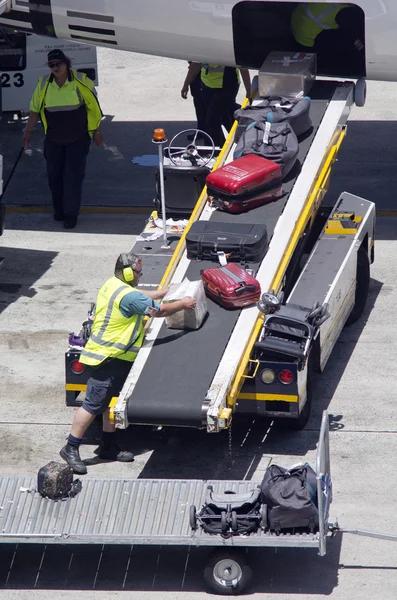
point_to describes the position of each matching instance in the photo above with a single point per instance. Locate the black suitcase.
(182, 188)
(55, 480)
(241, 242)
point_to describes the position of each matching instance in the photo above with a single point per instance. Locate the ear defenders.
(128, 273)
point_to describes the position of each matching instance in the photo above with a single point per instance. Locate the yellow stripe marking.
(269, 397)
(309, 208)
(75, 387)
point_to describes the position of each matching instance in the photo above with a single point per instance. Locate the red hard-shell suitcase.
(231, 286)
(239, 206)
(244, 178)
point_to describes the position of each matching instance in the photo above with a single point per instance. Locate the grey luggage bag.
(276, 142)
(276, 109)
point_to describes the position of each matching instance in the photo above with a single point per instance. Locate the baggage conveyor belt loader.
(315, 278)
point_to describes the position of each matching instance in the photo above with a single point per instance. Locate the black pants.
(66, 171)
(219, 105)
(105, 381)
(195, 89)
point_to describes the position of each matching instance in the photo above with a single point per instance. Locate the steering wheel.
(191, 152)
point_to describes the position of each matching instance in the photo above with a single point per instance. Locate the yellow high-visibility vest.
(309, 19)
(69, 99)
(212, 75)
(113, 335)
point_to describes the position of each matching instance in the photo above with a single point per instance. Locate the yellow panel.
(336, 228)
(75, 387)
(270, 397)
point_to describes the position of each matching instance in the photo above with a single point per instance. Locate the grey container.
(287, 74)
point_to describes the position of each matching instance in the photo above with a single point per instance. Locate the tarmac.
(48, 279)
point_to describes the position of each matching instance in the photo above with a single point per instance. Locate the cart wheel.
(234, 521)
(263, 512)
(362, 286)
(192, 517)
(223, 521)
(228, 573)
(360, 92)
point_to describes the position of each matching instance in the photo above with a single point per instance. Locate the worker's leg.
(213, 113)
(55, 156)
(228, 105)
(195, 89)
(74, 173)
(108, 449)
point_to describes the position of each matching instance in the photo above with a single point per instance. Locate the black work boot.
(114, 453)
(72, 456)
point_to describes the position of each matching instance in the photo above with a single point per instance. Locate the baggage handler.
(332, 31)
(219, 87)
(195, 90)
(69, 110)
(116, 337)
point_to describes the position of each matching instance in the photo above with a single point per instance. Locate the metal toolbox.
(287, 74)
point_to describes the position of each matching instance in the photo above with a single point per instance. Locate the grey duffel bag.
(276, 109)
(276, 142)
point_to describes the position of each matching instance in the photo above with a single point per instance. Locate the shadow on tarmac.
(144, 568)
(34, 264)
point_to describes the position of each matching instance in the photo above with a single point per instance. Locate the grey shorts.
(106, 381)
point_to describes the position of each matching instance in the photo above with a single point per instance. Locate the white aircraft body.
(231, 32)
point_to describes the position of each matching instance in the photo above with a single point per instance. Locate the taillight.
(286, 377)
(77, 367)
(268, 376)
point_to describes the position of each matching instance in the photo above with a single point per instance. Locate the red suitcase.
(245, 183)
(231, 286)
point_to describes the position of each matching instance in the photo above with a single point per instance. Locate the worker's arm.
(172, 307)
(31, 122)
(139, 303)
(245, 76)
(192, 73)
(158, 294)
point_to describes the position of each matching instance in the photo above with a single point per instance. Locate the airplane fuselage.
(200, 31)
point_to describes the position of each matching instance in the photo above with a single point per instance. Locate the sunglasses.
(139, 272)
(54, 65)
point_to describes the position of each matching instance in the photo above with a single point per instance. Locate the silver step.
(128, 511)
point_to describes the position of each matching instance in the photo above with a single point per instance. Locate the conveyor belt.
(174, 381)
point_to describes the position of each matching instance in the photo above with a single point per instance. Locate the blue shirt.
(137, 303)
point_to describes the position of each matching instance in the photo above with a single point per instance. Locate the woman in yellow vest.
(335, 32)
(219, 87)
(67, 105)
(116, 337)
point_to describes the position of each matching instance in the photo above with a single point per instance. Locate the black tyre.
(223, 521)
(264, 516)
(228, 573)
(234, 521)
(362, 286)
(192, 517)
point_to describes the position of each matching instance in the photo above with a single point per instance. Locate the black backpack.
(229, 513)
(291, 498)
(276, 109)
(276, 142)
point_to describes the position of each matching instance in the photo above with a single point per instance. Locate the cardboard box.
(187, 318)
(287, 74)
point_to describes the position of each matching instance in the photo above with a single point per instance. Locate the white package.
(187, 318)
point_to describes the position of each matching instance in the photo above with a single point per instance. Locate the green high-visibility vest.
(310, 19)
(113, 335)
(83, 86)
(212, 75)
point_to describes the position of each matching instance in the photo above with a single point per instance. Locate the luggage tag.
(222, 259)
(266, 133)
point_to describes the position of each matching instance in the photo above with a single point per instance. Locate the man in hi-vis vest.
(335, 32)
(116, 337)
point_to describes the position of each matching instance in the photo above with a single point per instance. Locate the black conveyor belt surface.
(174, 381)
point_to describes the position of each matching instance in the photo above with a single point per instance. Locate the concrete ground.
(47, 281)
